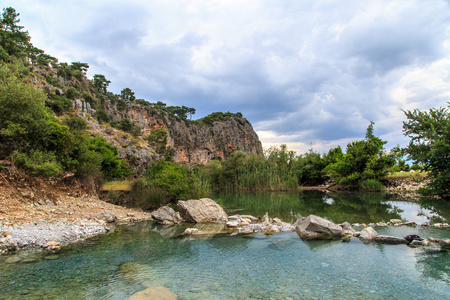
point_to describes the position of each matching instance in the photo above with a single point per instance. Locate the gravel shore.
(49, 235)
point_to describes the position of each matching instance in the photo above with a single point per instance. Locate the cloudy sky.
(309, 74)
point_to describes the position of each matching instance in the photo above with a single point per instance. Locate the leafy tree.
(430, 145)
(127, 95)
(100, 83)
(12, 39)
(364, 159)
(158, 140)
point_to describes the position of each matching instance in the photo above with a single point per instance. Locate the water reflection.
(337, 207)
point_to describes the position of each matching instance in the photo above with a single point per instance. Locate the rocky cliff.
(194, 142)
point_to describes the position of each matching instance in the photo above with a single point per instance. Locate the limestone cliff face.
(195, 142)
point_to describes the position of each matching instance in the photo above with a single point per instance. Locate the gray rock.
(8, 243)
(386, 239)
(154, 292)
(107, 216)
(201, 211)
(346, 227)
(317, 227)
(368, 233)
(166, 215)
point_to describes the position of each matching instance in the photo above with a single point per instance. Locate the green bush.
(75, 123)
(59, 104)
(102, 116)
(38, 162)
(147, 196)
(72, 93)
(371, 185)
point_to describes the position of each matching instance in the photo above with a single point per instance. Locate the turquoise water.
(255, 266)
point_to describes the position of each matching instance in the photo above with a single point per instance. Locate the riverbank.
(50, 213)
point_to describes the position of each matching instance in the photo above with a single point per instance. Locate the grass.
(413, 175)
(123, 185)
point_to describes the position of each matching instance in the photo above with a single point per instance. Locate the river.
(254, 266)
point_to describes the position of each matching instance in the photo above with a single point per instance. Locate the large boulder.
(166, 215)
(317, 227)
(201, 211)
(368, 233)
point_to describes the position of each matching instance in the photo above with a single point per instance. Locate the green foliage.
(429, 132)
(157, 139)
(215, 117)
(371, 185)
(38, 162)
(147, 196)
(102, 116)
(75, 123)
(100, 83)
(72, 93)
(171, 177)
(274, 171)
(59, 104)
(92, 100)
(127, 95)
(121, 105)
(24, 120)
(364, 159)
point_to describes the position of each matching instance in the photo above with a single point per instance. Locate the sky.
(308, 74)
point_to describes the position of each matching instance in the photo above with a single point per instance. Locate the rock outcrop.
(313, 227)
(201, 211)
(194, 142)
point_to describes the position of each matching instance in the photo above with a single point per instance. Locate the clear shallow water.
(280, 266)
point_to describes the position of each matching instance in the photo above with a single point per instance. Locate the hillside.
(142, 131)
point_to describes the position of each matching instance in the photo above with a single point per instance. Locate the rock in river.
(368, 234)
(317, 227)
(201, 211)
(154, 293)
(166, 215)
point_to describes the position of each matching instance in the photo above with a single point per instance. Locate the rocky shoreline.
(49, 213)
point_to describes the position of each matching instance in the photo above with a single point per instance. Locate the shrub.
(72, 93)
(38, 162)
(146, 196)
(371, 185)
(75, 123)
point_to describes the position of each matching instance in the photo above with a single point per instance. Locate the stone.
(317, 227)
(8, 243)
(107, 215)
(154, 293)
(347, 228)
(412, 237)
(201, 211)
(190, 231)
(368, 233)
(51, 245)
(386, 239)
(395, 221)
(233, 223)
(166, 215)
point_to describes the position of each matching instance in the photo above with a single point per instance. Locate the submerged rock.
(201, 211)
(166, 215)
(313, 227)
(154, 293)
